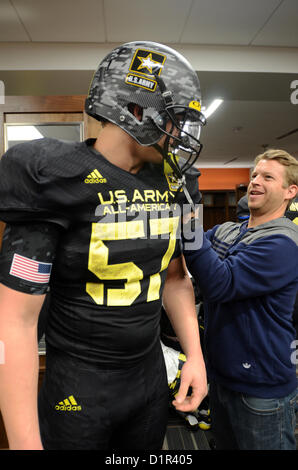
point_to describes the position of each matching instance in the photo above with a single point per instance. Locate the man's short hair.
(284, 158)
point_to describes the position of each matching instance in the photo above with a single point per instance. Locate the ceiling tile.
(261, 123)
(154, 20)
(229, 22)
(62, 20)
(11, 28)
(282, 27)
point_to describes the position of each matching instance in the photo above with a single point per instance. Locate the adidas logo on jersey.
(69, 404)
(95, 177)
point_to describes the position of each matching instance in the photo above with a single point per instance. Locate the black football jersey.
(292, 211)
(117, 236)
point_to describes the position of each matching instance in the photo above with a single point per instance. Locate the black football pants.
(84, 407)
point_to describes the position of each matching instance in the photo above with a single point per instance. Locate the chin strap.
(177, 172)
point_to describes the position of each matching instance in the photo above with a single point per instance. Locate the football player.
(96, 224)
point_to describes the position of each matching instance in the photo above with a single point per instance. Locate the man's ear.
(292, 191)
(136, 110)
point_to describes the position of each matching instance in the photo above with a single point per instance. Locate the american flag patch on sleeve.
(30, 269)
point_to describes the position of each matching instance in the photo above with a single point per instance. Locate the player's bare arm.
(19, 368)
(179, 303)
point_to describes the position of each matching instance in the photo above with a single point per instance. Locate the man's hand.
(193, 374)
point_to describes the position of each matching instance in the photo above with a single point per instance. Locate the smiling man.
(269, 190)
(247, 273)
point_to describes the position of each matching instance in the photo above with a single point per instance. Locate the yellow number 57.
(98, 262)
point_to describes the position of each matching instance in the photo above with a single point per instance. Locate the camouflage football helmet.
(164, 85)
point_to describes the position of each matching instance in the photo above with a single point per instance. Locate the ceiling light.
(23, 133)
(213, 107)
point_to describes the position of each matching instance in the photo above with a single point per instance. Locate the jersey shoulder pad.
(23, 174)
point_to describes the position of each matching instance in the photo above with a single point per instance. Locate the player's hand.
(193, 374)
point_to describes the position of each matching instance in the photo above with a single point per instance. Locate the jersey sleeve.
(24, 183)
(27, 255)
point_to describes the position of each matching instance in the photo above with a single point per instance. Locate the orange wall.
(222, 178)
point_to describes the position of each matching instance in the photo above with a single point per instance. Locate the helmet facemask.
(182, 147)
(182, 140)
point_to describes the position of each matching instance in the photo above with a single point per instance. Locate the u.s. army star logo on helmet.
(144, 64)
(147, 62)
